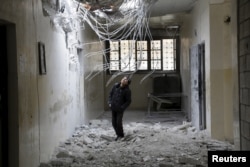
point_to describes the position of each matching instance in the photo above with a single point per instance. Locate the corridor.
(161, 140)
(188, 60)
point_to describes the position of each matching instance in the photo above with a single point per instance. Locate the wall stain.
(61, 103)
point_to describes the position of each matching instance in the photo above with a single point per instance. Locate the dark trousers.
(117, 122)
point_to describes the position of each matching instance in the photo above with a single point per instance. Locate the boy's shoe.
(118, 138)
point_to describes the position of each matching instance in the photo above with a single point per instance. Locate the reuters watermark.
(229, 158)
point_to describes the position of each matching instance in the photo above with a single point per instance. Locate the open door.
(197, 78)
(194, 78)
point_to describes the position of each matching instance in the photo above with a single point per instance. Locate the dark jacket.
(119, 97)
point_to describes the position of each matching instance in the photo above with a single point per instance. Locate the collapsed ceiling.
(110, 19)
(106, 6)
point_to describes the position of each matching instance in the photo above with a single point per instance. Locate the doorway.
(9, 129)
(3, 98)
(202, 87)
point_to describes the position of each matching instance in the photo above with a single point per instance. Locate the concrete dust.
(145, 145)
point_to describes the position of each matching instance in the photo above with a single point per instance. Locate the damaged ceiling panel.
(110, 19)
(107, 6)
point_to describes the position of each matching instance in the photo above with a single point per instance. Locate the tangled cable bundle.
(111, 20)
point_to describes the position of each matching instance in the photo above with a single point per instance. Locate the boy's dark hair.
(129, 79)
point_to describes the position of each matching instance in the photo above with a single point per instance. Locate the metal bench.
(160, 99)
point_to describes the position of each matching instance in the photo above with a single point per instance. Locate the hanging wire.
(119, 20)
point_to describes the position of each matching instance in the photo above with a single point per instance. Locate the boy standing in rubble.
(119, 99)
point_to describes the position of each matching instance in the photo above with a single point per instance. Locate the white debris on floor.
(144, 145)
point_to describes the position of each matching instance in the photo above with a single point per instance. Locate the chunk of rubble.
(45, 165)
(98, 123)
(90, 157)
(191, 130)
(188, 160)
(67, 142)
(128, 137)
(61, 162)
(218, 146)
(63, 154)
(157, 126)
(77, 134)
(94, 145)
(86, 140)
(160, 159)
(165, 165)
(184, 126)
(108, 138)
(147, 158)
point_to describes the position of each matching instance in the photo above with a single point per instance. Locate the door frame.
(202, 86)
(197, 86)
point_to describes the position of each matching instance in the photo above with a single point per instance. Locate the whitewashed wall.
(195, 30)
(206, 24)
(221, 72)
(49, 106)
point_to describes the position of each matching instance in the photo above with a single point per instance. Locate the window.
(142, 55)
(169, 54)
(114, 56)
(155, 55)
(132, 55)
(127, 60)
